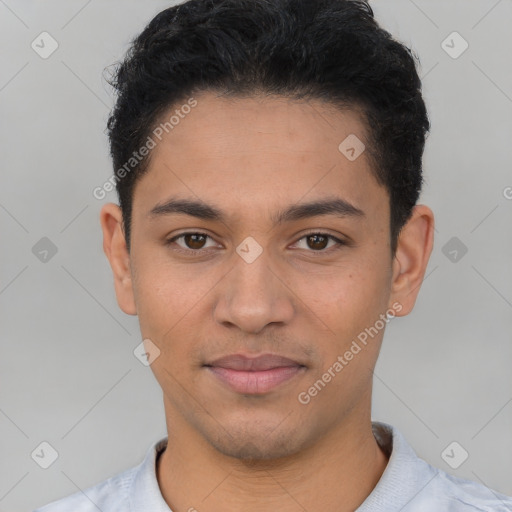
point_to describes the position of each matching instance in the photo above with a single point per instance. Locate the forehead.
(241, 124)
(259, 151)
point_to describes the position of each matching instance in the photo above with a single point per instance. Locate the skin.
(252, 158)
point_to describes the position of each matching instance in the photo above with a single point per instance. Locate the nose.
(254, 295)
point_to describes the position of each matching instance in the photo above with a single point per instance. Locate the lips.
(259, 363)
(254, 375)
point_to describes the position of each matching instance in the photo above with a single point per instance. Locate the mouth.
(254, 375)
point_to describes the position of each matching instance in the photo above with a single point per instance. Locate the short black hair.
(330, 50)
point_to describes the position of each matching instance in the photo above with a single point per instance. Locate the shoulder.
(111, 495)
(411, 484)
(459, 494)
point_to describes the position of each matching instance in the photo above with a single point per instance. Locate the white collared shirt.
(408, 484)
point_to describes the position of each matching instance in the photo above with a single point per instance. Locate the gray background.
(68, 373)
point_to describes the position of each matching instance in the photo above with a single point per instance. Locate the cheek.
(172, 305)
(348, 301)
(161, 298)
(351, 306)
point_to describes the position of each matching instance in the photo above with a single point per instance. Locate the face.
(286, 255)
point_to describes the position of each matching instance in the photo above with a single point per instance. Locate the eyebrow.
(201, 210)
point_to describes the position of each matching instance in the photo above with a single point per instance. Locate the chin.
(252, 451)
(256, 445)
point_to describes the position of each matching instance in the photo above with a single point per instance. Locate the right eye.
(192, 241)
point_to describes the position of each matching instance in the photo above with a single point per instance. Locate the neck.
(336, 473)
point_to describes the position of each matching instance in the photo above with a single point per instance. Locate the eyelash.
(340, 243)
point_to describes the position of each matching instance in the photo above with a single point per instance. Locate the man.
(267, 157)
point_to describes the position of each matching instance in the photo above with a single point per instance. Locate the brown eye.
(190, 241)
(194, 240)
(317, 241)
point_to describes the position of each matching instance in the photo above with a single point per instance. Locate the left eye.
(320, 241)
(317, 242)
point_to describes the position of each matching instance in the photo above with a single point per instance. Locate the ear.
(114, 245)
(413, 251)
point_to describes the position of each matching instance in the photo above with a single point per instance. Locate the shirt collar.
(404, 477)
(144, 493)
(405, 474)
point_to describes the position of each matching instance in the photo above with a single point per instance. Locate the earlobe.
(114, 246)
(414, 247)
